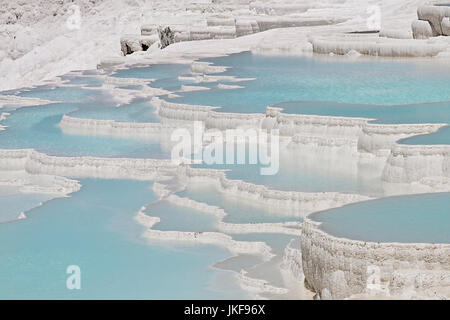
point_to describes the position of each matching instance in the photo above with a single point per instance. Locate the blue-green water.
(389, 91)
(95, 230)
(416, 218)
(138, 110)
(442, 136)
(307, 173)
(63, 94)
(38, 128)
(237, 210)
(165, 76)
(438, 112)
(416, 113)
(278, 79)
(158, 71)
(178, 218)
(88, 81)
(13, 202)
(310, 181)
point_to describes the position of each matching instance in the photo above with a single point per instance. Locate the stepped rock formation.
(337, 268)
(436, 22)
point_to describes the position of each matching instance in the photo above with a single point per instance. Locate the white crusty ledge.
(338, 267)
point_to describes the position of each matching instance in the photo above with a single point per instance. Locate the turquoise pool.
(38, 128)
(138, 110)
(278, 79)
(416, 218)
(95, 230)
(438, 112)
(238, 211)
(317, 172)
(179, 218)
(13, 202)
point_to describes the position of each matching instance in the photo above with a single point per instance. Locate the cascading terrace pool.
(96, 227)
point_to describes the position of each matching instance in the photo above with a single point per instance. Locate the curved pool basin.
(415, 219)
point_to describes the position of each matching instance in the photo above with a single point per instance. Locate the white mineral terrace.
(337, 267)
(35, 162)
(402, 163)
(35, 49)
(292, 261)
(43, 184)
(290, 228)
(302, 202)
(16, 101)
(215, 238)
(329, 132)
(136, 130)
(301, 130)
(258, 286)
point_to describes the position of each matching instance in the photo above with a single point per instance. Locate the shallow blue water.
(62, 94)
(38, 128)
(165, 76)
(442, 136)
(438, 112)
(389, 91)
(276, 241)
(417, 218)
(159, 71)
(139, 110)
(268, 270)
(12, 202)
(95, 230)
(178, 218)
(306, 172)
(308, 178)
(416, 113)
(88, 81)
(237, 210)
(278, 79)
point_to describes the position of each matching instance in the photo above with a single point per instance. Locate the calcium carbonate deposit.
(122, 126)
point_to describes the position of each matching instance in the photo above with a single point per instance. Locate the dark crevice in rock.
(166, 37)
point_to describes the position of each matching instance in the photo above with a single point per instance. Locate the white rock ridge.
(337, 268)
(214, 238)
(38, 163)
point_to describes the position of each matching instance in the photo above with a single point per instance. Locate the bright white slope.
(36, 44)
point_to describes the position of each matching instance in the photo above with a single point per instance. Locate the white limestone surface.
(290, 228)
(435, 15)
(380, 48)
(134, 130)
(418, 163)
(45, 38)
(375, 138)
(337, 268)
(292, 261)
(39, 163)
(421, 29)
(301, 202)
